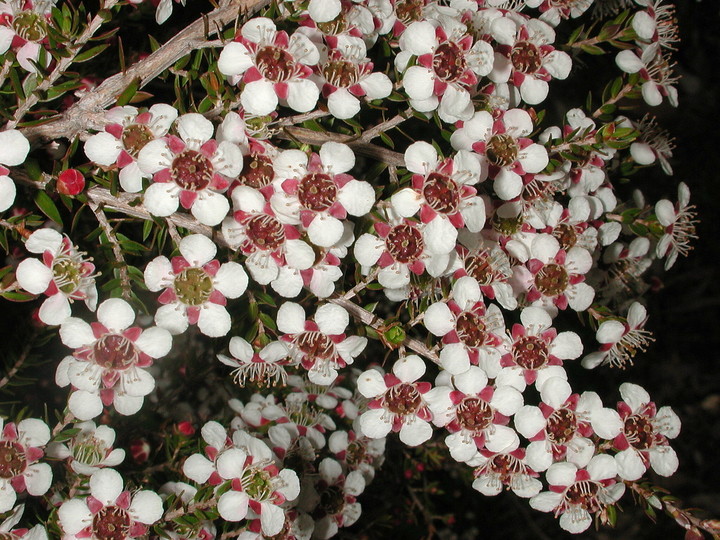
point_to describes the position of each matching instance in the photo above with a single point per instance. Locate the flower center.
(332, 500)
(474, 414)
(191, 170)
(111, 523)
(12, 459)
(403, 399)
(315, 345)
(135, 137)
(566, 235)
(449, 62)
(526, 57)
(257, 483)
(507, 225)
(29, 26)
(265, 232)
(530, 352)
(584, 494)
(552, 280)
(355, 454)
(639, 432)
(113, 351)
(408, 11)
(257, 171)
(193, 286)
(341, 73)
(501, 150)
(67, 274)
(561, 426)
(88, 450)
(470, 329)
(404, 243)
(337, 26)
(441, 193)
(317, 192)
(478, 267)
(275, 64)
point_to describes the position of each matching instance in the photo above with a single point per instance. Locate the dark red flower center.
(403, 399)
(257, 171)
(552, 280)
(315, 345)
(113, 351)
(474, 414)
(441, 193)
(530, 352)
(584, 494)
(405, 243)
(317, 192)
(449, 62)
(561, 426)
(275, 64)
(332, 500)
(408, 11)
(341, 73)
(566, 235)
(265, 232)
(12, 459)
(191, 170)
(470, 329)
(111, 523)
(525, 57)
(478, 267)
(639, 432)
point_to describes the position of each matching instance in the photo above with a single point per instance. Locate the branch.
(116, 247)
(19, 362)
(88, 112)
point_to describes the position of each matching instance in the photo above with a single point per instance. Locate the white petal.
(406, 202)
(210, 208)
(115, 314)
(454, 358)
(85, 405)
(258, 97)
(342, 104)
(234, 59)
(415, 432)
(7, 192)
(566, 346)
(534, 158)
(233, 505)
(172, 318)
(161, 198)
(635, 396)
(336, 157)
(374, 425)
(321, 11)
(628, 61)
(154, 157)
(55, 310)
(197, 249)
(14, 147)
(325, 231)
(33, 276)
(231, 280)
(198, 468)
(371, 384)
(302, 95)
(106, 486)
(332, 319)
(214, 320)
(103, 149)
(376, 85)
(74, 516)
(126, 404)
(418, 82)
(546, 501)
(533, 91)
(409, 369)
(158, 273)
(357, 197)
(664, 460)
(438, 319)
(146, 507)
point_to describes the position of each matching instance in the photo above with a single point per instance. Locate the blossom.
(190, 170)
(679, 222)
(397, 402)
(318, 193)
(20, 451)
(70, 182)
(503, 148)
(127, 132)
(24, 27)
(655, 70)
(265, 368)
(90, 449)
(273, 66)
(645, 433)
(110, 360)
(508, 467)
(577, 492)
(14, 148)
(319, 345)
(64, 275)
(203, 468)
(489, 266)
(110, 510)
(38, 532)
(195, 287)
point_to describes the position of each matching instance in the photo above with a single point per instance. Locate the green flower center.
(193, 286)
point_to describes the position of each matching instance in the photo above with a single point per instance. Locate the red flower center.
(315, 345)
(639, 432)
(552, 280)
(341, 73)
(317, 192)
(561, 426)
(405, 243)
(265, 232)
(470, 329)
(275, 64)
(478, 267)
(403, 399)
(135, 137)
(191, 170)
(193, 286)
(530, 352)
(111, 523)
(584, 494)
(449, 62)
(12, 459)
(501, 150)
(441, 193)
(566, 235)
(113, 351)
(525, 57)
(257, 171)
(474, 414)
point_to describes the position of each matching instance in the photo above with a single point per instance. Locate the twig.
(172, 229)
(18, 363)
(190, 509)
(116, 247)
(87, 113)
(382, 127)
(62, 65)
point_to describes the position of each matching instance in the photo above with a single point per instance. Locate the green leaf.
(592, 49)
(90, 53)
(47, 207)
(126, 96)
(16, 296)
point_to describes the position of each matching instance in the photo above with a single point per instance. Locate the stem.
(116, 248)
(623, 92)
(190, 509)
(62, 65)
(88, 112)
(19, 362)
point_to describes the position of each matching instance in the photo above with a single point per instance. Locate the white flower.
(196, 286)
(24, 27)
(109, 361)
(64, 275)
(397, 402)
(127, 132)
(14, 148)
(190, 170)
(264, 368)
(20, 451)
(90, 449)
(109, 509)
(494, 470)
(273, 67)
(38, 532)
(679, 222)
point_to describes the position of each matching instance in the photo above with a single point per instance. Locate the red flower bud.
(70, 182)
(185, 428)
(140, 450)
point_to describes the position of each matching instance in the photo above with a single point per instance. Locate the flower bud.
(70, 182)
